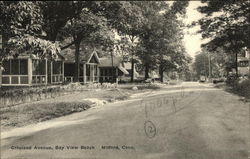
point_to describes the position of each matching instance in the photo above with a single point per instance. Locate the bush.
(232, 80)
(243, 88)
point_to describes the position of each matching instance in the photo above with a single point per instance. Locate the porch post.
(62, 71)
(98, 73)
(51, 71)
(116, 75)
(30, 71)
(46, 71)
(0, 76)
(93, 73)
(84, 73)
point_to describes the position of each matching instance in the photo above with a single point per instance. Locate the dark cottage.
(88, 70)
(111, 69)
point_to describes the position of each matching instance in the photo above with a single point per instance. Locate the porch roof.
(27, 54)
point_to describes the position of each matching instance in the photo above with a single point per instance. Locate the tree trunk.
(132, 69)
(132, 59)
(146, 71)
(236, 63)
(77, 62)
(161, 73)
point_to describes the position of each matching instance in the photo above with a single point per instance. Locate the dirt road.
(191, 121)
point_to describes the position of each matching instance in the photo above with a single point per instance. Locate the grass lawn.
(47, 109)
(80, 100)
(240, 89)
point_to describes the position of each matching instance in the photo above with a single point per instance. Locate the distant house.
(244, 63)
(28, 69)
(111, 68)
(88, 70)
(128, 66)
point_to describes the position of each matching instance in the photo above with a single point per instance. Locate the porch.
(28, 70)
(88, 67)
(111, 69)
(87, 72)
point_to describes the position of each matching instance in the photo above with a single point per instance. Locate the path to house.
(194, 122)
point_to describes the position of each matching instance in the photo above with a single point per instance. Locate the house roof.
(127, 65)
(117, 62)
(107, 61)
(85, 56)
(123, 70)
(243, 59)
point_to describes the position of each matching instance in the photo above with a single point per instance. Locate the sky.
(191, 39)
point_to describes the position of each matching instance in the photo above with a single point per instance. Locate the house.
(111, 69)
(88, 70)
(28, 70)
(244, 63)
(128, 66)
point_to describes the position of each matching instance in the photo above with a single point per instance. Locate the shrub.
(243, 88)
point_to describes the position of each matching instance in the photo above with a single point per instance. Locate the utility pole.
(112, 63)
(209, 67)
(248, 54)
(205, 69)
(132, 62)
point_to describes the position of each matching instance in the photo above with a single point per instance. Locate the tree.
(56, 15)
(127, 19)
(173, 46)
(219, 63)
(162, 37)
(87, 28)
(200, 65)
(226, 24)
(21, 29)
(150, 33)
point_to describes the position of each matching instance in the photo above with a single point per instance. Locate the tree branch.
(65, 47)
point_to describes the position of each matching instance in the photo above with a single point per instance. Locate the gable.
(93, 59)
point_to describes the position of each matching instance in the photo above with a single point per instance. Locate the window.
(87, 70)
(81, 70)
(35, 67)
(95, 67)
(14, 67)
(38, 67)
(69, 69)
(101, 72)
(243, 64)
(23, 67)
(6, 66)
(57, 67)
(106, 72)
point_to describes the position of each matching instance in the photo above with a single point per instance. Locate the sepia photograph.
(125, 79)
